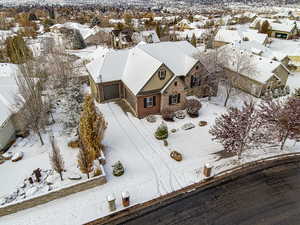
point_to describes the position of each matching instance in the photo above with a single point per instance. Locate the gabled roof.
(260, 68)
(231, 36)
(282, 27)
(136, 66)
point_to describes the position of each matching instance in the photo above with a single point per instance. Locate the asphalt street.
(268, 197)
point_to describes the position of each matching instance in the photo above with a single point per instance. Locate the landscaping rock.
(151, 119)
(17, 156)
(166, 143)
(188, 126)
(74, 176)
(7, 155)
(180, 114)
(118, 169)
(174, 130)
(202, 123)
(176, 156)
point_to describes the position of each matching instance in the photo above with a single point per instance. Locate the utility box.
(111, 200)
(125, 199)
(207, 170)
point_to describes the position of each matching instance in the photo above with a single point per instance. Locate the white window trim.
(160, 72)
(174, 99)
(149, 102)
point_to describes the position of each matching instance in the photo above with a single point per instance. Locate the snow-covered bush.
(192, 107)
(161, 132)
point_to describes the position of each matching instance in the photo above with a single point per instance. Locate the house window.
(175, 83)
(195, 81)
(197, 67)
(149, 102)
(174, 99)
(162, 74)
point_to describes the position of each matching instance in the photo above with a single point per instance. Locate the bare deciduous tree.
(56, 159)
(30, 101)
(235, 63)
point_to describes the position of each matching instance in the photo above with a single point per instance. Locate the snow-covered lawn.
(149, 171)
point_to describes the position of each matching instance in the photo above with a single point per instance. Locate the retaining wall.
(52, 195)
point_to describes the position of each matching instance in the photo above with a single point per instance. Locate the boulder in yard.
(151, 119)
(17, 156)
(180, 114)
(202, 123)
(176, 156)
(188, 126)
(74, 176)
(7, 155)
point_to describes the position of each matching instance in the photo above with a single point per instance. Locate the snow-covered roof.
(259, 49)
(136, 66)
(84, 29)
(253, 66)
(189, 33)
(282, 27)
(8, 89)
(231, 36)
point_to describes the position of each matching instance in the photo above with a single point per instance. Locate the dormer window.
(162, 74)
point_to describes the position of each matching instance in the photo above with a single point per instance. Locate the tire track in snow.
(177, 180)
(153, 150)
(157, 180)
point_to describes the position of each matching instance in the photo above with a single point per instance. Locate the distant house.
(261, 50)
(10, 125)
(148, 36)
(285, 29)
(121, 38)
(224, 37)
(149, 77)
(263, 73)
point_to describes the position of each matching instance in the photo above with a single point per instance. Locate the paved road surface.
(269, 197)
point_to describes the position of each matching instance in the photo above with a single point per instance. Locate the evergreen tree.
(158, 30)
(194, 40)
(95, 21)
(32, 17)
(78, 42)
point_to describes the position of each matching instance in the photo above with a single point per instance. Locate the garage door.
(281, 35)
(111, 91)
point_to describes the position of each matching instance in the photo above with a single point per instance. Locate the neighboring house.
(259, 73)
(261, 50)
(121, 38)
(148, 36)
(10, 125)
(224, 37)
(188, 34)
(150, 77)
(284, 29)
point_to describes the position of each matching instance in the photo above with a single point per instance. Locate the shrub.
(97, 172)
(192, 107)
(168, 114)
(161, 132)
